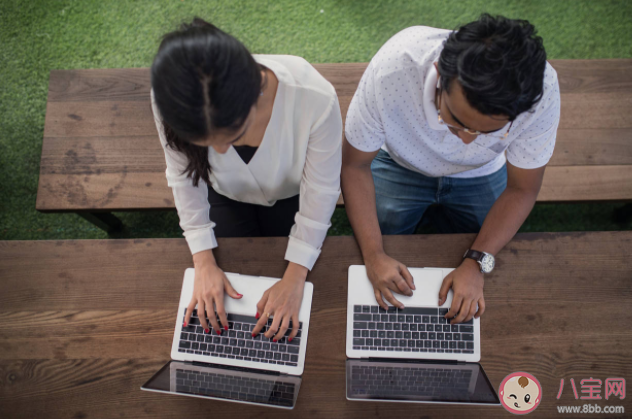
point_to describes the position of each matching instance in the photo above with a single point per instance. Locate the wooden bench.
(85, 323)
(101, 152)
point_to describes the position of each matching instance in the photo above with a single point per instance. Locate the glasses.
(467, 130)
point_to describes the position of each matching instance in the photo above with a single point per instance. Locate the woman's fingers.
(263, 320)
(200, 312)
(295, 326)
(284, 325)
(211, 315)
(230, 290)
(187, 314)
(221, 313)
(274, 327)
(261, 304)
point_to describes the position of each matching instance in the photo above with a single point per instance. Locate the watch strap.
(474, 254)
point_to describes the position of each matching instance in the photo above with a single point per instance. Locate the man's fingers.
(187, 314)
(295, 326)
(210, 311)
(407, 276)
(464, 310)
(386, 293)
(445, 287)
(472, 311)
(284, 325)
(454, 307)
(403, 287)
(481, 307)
(378, 298)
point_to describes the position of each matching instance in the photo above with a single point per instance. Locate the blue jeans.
(460, 204)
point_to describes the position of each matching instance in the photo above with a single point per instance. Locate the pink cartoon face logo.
(520, 393)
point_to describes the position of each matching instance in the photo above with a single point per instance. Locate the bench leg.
(104, 220)
(624, 214)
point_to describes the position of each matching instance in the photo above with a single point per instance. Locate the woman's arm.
(193, 211)
(319, 192)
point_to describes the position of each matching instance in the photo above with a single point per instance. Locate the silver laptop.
(234, 366)
(414, 354)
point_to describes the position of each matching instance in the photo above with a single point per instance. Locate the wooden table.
(83, 324)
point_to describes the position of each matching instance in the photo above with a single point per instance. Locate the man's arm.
(501, 224)
(386, 274)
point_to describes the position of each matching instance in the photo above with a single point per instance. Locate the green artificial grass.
(37, 36)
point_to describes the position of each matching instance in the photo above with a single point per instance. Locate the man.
(466, 120)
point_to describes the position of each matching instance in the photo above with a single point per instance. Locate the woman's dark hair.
(203, 80)
(499, 62)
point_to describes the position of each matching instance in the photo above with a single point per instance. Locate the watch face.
(487, 264)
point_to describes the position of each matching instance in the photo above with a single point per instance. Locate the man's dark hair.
(499, 62)
(203, 80)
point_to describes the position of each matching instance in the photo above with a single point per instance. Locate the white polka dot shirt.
(393, 109)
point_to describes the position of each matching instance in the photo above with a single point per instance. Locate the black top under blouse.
(245, 152)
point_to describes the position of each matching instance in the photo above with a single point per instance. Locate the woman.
(264, 134)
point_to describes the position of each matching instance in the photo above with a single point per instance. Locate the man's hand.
(467, 283)
(386, 274)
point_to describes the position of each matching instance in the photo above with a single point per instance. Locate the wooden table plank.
(84, 323)
(101, 148)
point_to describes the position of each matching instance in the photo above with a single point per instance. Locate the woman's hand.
(283, 301)
(387, 276)
(208, 289)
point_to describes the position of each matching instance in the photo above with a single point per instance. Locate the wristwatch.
(484, 259)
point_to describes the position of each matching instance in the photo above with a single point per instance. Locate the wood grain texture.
(83, 324)
(101, 148)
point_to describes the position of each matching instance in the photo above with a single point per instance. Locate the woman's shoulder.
(296, 72)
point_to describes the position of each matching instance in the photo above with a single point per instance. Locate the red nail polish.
(225, 327)
(256, 317)
(289, 339)
(185, 324)
(253, 335)
(273, 340)
(219, 332)
(207, 330)
(239, 295)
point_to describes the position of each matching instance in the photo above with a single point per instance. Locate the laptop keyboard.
(234, 387)
(413, 329)
(237, 342)
(395, 382)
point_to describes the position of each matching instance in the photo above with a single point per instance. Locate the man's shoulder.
(416, 46)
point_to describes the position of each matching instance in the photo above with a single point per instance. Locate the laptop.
(234, 366)
(414, 354)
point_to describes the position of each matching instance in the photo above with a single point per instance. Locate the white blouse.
(301, 152)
